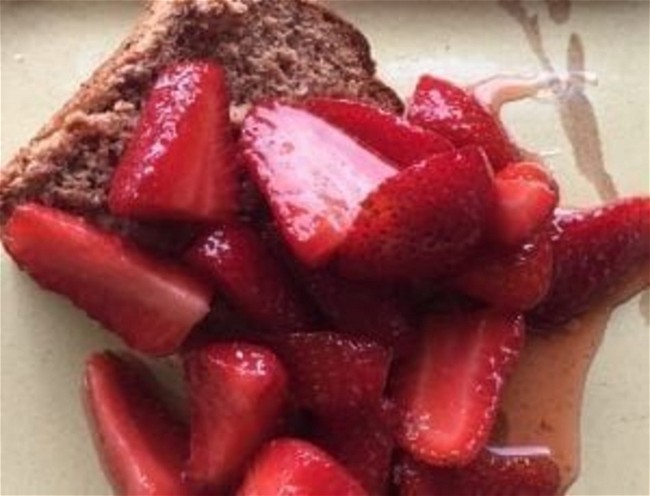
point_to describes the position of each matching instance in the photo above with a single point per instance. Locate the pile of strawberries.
(355, 319)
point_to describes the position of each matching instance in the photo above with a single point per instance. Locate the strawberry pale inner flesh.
(314, 176)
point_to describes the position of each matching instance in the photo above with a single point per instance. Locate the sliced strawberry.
(313, 175)
(416, 478)
(592, 249)
(363, 444)
(179, 162)
(448, 394)
(331, 373)
(149, 303)
(141, 445)
(250, 277)
(445, 108)
(294, 467)
(237, 392)
(515, 279)
(422, 223)
(388, 134)
(516, 471)
(526, 198)
(360, 309)
(524, 470)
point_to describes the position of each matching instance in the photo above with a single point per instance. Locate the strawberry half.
(526, 198)
(424, 222)
(237, 392)
(149, 303)
(250, 277)
(179, 162)
(448, 394)
(297, 468)
(592, 250)
(333, 374)
(389, 135)
(141, 445)
(313, 175)
(515, 279)
(521, 471)
(443, 107)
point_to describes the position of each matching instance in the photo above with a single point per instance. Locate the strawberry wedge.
(346, 304)
(448, 394)
(237, 392)
(333, 374)
(293, 467)
(526, 197)
(235, 257)
(518, 470)
(313, 175)
(443, 107)
(389, 135)
(141, 445)
(179, 163)
(593, 248)
(151, 304)
(422, 223)
(515, 279)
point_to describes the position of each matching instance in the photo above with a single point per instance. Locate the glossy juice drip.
(542, 402)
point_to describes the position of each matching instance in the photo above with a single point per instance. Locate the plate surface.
(48, 48)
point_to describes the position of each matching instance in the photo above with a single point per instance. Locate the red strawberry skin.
(151, 304)
(294, 467)
(424, 222)
(389, 135)
(333, 374)
(443, 107)
(179, 162)
(237, 260)
(448, 394)
(360, 309)
(142, 446)
(526, 198)
(363, 444)
(593, 249)
(515, 279)
(519, 471)
(237, 392)
(312, 174)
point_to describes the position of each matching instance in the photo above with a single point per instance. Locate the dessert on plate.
(349, 282)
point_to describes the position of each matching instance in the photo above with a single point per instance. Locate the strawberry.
(150, 303)
(333, 374)
(526, 198)
(517, 279)
(360, 309)
(179, 162)
(363, 444)
(237, 392)
(250, 277)
(313, 175)
(423, 223)
(142, 446)
(389, 135)
(524, 470)
(294, 467)
(443, 107)
(515, 471)
(448, 394)
(592, 250)
(416, 478)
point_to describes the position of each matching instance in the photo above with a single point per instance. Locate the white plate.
(48, 48)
